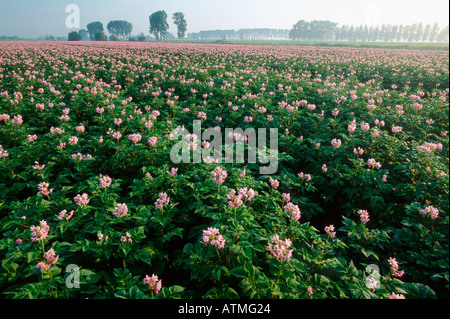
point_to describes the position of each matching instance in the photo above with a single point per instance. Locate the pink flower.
(81, 200)
(73, 140)
(152, 140)
(329, 230)
(394, 268)
(120, 210)
(39, 232)
(293, 210)
(201, 115)
(336, 143)
(358, 151)
(430, 211)
(219, 175)
(163, 200)
(364, 216)
(248, 119)
(396, 129)
(352, 128)
(302, 175)
(104, 181)
(274, 183)
(365, 126)
(65, 215)
(372, 163)
(80, 128)
(396, 296)
(17, 119)
(135, 138)
(173, 171)
(212, 236)
(50, 257)
(43, 189)
(127, 238)
(324, 168)
(280, 248)
(310, 291)
(3, 152)
(117, 135)
(153, 282)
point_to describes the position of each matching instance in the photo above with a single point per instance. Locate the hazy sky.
(34, 18)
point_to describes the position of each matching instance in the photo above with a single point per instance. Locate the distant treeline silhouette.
(323, 30)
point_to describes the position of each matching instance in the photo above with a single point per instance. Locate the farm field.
(93, 204)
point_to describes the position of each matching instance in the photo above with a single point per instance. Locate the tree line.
(121, 29)
(327, 30)
(316, 30)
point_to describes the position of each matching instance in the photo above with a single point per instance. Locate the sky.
(36, 18)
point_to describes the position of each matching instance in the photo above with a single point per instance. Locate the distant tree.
(181, 24)
(141, 37)
(120, 28)
(113, 37)
(158, 24)
(93, 28)
(434, 32)
(419, 33)
(74, 36)
(84, 34)
(426, 33)
(443, 36)
(400, 33)
(100, 36)
(49, 37)
(299, 30)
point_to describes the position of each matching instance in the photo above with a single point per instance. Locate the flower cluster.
(219, 175)
(304, 176)
(65, 215)
(431, 211)
(50, 259)
(236, 199)
(280, 248)
(213, 237)
(120, 210)
(329, 230)
(154, 283)
(163, 200)
(44, 189)
(127, 238)
(274, 183)
(336, 143)
(394, 268)
(135, 138)
(81, 200)
(293, 210)
(104, 181)
(3, 152)
(429, 147)
(364, 216)
(39, 232)
(372, 163)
